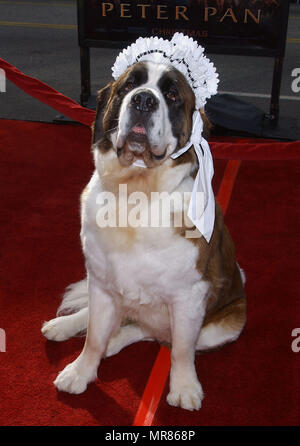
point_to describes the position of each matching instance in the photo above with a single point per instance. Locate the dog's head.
(145, 114)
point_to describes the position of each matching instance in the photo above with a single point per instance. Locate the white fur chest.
(143, 265)
(156, 273)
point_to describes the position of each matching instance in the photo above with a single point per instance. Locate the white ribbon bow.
(201, 214)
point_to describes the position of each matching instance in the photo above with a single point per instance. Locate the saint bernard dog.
(148, 283)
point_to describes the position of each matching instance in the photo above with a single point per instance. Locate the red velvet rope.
(48, 95)
(259, 151)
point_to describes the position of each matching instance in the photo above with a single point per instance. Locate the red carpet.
(251, 382)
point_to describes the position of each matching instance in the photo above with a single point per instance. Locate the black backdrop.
(256, 27)
(244, 27)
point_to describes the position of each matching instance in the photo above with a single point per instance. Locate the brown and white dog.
(148, 283)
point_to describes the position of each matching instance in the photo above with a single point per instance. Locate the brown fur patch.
(207, 125)
(217, 264)
(190, 156)
(189, 106)
(231, 317)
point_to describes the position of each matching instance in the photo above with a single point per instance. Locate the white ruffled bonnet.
(183, 53)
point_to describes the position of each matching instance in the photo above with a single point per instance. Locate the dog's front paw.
(186, 395)
(73, 380)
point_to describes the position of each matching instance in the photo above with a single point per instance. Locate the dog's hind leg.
(64, 327)
(72, 314)
(223, 326)
(128, 334)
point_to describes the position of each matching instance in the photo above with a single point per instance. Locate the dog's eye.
(128, 86)
(172, 95)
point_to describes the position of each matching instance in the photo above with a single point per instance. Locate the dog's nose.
(144, 101)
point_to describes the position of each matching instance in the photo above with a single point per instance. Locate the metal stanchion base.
(286, 128)
(233, 117)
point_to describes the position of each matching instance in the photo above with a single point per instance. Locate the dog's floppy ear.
(102, 99)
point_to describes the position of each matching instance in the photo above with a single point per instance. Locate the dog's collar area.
(202, 203)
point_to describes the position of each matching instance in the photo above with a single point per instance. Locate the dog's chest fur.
(142, 266)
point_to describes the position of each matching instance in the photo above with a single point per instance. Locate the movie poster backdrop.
(222, 26)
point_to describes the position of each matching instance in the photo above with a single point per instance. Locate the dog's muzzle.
(144, 102)
(136, 139)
